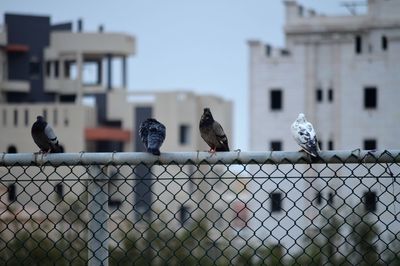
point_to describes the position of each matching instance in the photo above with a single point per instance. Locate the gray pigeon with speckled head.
(44, 136)
(152, 134)
(212, 133)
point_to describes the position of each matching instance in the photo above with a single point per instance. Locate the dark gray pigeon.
(212, 133)
(43, 135)
(152, 134)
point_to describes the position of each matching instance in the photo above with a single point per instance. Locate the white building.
(343, 73)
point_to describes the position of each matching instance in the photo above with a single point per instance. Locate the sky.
(186, 45)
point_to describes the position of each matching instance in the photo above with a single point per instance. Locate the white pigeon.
(304, 134)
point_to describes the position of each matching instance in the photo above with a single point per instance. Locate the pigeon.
(304, 134)
(212, 133)
(43, 135)
(152, 134)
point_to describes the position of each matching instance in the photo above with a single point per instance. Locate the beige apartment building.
(69, 77)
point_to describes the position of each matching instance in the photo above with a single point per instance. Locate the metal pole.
(196, 158)
(98, 207)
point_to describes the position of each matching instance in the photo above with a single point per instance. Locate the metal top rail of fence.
(239, 157)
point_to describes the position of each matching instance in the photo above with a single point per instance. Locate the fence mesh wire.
(342, 211)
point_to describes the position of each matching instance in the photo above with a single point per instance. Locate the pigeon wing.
(221, 137)
(155, 137)
(143, 133)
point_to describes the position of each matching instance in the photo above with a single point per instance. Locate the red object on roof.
(17, 48)
(107, 133)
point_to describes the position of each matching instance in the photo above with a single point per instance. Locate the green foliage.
(154, 243)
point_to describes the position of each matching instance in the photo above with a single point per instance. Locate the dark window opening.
(114, 203)
(12, 149)
(184, 134)
(370, 97)
(56, 69)
(276, 145)
(12, 193)
(59, 189)
(55, 117)
(330, 95)
(330, 197)
(26, 117)
(319, 198)
(358, 44)
(370, 144)
(48, 68)
(330, 145)
(384, 43)
(268, 50)
(320, 144)
(34, 69)
(276, 202)
(15, 117)
(276, 99)
(45, 114)
(319, 95)
(370, 200)
(184, 214)
(285, 52)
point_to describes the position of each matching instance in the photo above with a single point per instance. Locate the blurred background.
(200, 47)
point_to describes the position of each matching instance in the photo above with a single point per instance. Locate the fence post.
(98, 207)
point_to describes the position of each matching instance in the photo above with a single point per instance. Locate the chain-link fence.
(236, 208)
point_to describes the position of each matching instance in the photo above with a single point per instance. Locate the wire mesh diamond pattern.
(216, 211)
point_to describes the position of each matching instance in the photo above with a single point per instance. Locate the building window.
(370, 144)
(184, 134)
(318, 198)
(56, 69)
(320, 144)
(45, 114)
(15, 117)
(276, 145)
(370, 200)
(55, 117)
(276, 99)
(330, 198)
(48, 68)
(358, 44)
(330, 145)
(268, 50)
(276, 202)
(26, 117)
(59, 189)
(12, 192)
(12, 149)
(384, 43)
(34, 69)
(370, 97)
(318, 95)
(184, 214)
(330, 95)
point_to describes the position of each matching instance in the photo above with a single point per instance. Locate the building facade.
(342, 72)
(69, 77)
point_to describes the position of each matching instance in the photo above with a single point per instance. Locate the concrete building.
(69, 77)
(342, 72)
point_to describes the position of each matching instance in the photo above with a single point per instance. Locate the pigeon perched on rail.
(43, 135)
(304, 134)
(152, 134)
(212, 133)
